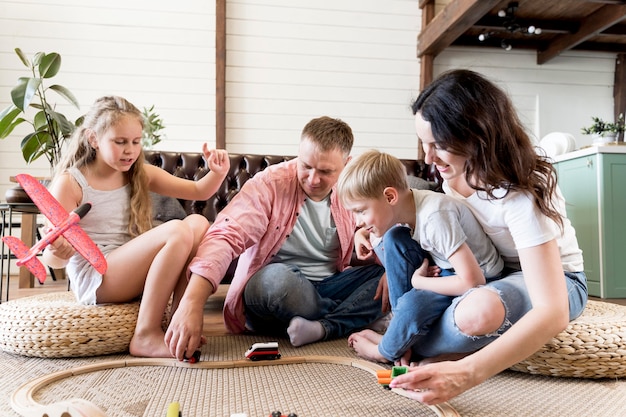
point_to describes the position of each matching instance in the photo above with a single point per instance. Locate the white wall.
(150, 51)
(559, 96)
(289, 61)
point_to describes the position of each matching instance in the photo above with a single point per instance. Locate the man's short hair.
(329, 134)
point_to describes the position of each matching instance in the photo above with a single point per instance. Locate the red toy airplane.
(65, 224)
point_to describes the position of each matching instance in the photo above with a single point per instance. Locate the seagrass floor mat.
(316, 388)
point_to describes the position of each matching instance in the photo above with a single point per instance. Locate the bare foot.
(150, 345)
(368, 334)
(366, 348)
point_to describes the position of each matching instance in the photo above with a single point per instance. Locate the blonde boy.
(415, 226)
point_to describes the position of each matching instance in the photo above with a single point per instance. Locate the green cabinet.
(593, 182)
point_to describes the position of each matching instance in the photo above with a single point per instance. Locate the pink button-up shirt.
(253, 226)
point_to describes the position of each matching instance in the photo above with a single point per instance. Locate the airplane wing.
(44, 201)
(86, 247)
(55, 212)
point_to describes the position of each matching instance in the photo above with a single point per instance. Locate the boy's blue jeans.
(424, 321)
(342, 303)
(414, 311)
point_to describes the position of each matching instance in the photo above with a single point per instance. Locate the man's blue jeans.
(342, 303)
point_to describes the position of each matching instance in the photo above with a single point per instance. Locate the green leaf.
(23, 57)
(33, 144)
(37, 59)
(23, 93)
(40, 122)
(66, 94)
(8, 120)
(66, 127)
(49, 65)
(10, 109)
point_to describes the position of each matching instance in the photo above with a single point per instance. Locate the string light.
(510, 24)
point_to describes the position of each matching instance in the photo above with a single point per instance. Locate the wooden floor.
(213, 321)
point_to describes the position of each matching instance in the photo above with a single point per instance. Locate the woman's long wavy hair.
(105, 113)
(472, 117)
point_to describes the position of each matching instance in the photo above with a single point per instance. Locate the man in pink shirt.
(295, 244)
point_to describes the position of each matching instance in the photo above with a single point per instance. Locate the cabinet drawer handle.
(589, 163)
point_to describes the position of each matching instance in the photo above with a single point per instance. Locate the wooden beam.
(220, 74)
(426, 70)
(456, 18)
(619, 89)
(426, 61)
(598, 21)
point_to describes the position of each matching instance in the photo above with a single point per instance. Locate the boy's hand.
(362, 245)
(382, 293)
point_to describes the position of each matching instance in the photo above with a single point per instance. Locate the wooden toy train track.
(22, 400)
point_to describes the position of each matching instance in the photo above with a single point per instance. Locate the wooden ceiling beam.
(547, 26)
(597, 22)
(450, 23)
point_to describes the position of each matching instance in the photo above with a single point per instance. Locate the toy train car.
(385, 376)
(263, 351)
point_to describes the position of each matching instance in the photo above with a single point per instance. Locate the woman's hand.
(436, 383)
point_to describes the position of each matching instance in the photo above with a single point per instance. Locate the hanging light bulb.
(505, 45)
(482, 37)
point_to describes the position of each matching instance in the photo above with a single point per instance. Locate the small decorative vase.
(603, 138)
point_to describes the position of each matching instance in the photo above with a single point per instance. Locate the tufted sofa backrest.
(191, 165)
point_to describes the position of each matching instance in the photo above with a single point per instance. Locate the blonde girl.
(105, 166)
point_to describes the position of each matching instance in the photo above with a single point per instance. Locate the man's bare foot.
(364, 347)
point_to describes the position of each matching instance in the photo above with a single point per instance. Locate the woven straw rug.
(307, 389)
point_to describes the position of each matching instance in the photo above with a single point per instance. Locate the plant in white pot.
(604, 132)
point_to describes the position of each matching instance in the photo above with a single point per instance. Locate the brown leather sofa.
(192, 166)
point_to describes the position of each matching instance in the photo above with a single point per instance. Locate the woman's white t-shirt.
(513, 222)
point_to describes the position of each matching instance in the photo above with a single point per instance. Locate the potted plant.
(152, 128)
(604, 132)
(50, 127)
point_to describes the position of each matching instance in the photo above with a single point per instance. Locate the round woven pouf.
(592, 346)
(54, 325)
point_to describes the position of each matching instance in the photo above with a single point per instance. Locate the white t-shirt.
(514, 222)
(313, 244)
(443, 224)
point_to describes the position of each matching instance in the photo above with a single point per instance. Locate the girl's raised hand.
(218, 160)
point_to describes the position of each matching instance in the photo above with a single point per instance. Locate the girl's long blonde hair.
(105, 113)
